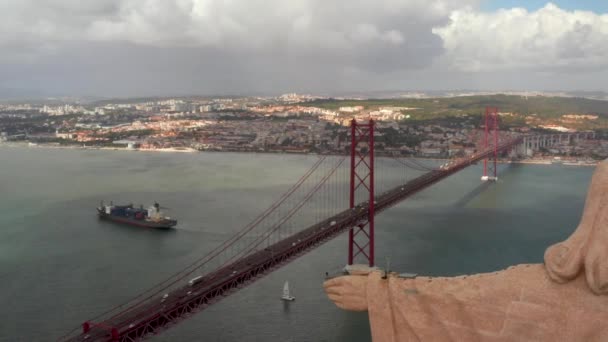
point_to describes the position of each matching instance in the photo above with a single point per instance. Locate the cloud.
(379, 35)
(135, 47)
(547, 40)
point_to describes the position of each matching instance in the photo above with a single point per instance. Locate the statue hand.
(348, 292)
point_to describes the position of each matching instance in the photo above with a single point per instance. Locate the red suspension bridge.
(314, 210)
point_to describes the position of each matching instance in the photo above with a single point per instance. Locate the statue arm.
(367, 292)
(348, 292)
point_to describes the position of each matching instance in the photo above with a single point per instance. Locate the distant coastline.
(105, 148)
(551, 162)
(192, 150)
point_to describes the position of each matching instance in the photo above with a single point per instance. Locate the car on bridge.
(195, 280)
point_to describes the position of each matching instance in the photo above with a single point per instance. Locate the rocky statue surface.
(564, 299)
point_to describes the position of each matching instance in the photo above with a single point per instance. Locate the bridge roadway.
(158, 314)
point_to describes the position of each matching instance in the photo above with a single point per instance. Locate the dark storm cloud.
(144, 46)
(126, 69)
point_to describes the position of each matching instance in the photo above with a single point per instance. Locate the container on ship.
(127, 214)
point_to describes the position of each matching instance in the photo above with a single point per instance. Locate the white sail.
(286, 289)
(286, 295)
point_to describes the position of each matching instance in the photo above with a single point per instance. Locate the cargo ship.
(127, 214)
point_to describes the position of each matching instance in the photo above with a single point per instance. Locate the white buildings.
(62, 109)
(354, 109)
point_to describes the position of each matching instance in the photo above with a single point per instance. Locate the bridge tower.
(361, 236)
(490, 142)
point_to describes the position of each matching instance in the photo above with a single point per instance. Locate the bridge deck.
(157, 314)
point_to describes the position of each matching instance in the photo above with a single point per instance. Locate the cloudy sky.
(170, 47)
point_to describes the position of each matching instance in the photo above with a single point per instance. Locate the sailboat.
(286, 295)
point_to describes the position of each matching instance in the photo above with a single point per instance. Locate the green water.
(59, 265)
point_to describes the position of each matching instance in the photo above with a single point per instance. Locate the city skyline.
(153, 48)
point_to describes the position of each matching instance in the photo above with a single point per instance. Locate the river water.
(59, 265)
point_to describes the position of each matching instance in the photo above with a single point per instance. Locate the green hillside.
(544, 107)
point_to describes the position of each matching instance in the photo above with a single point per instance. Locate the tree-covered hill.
(542, 106)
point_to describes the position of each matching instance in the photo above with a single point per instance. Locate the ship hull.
(166, 224)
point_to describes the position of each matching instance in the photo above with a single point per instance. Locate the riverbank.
(192, 150)
(551, 162)
(105, 148)
(378, 154)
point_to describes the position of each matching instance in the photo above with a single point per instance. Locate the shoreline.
(192, 150)
(549, 162)
(104, 148)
